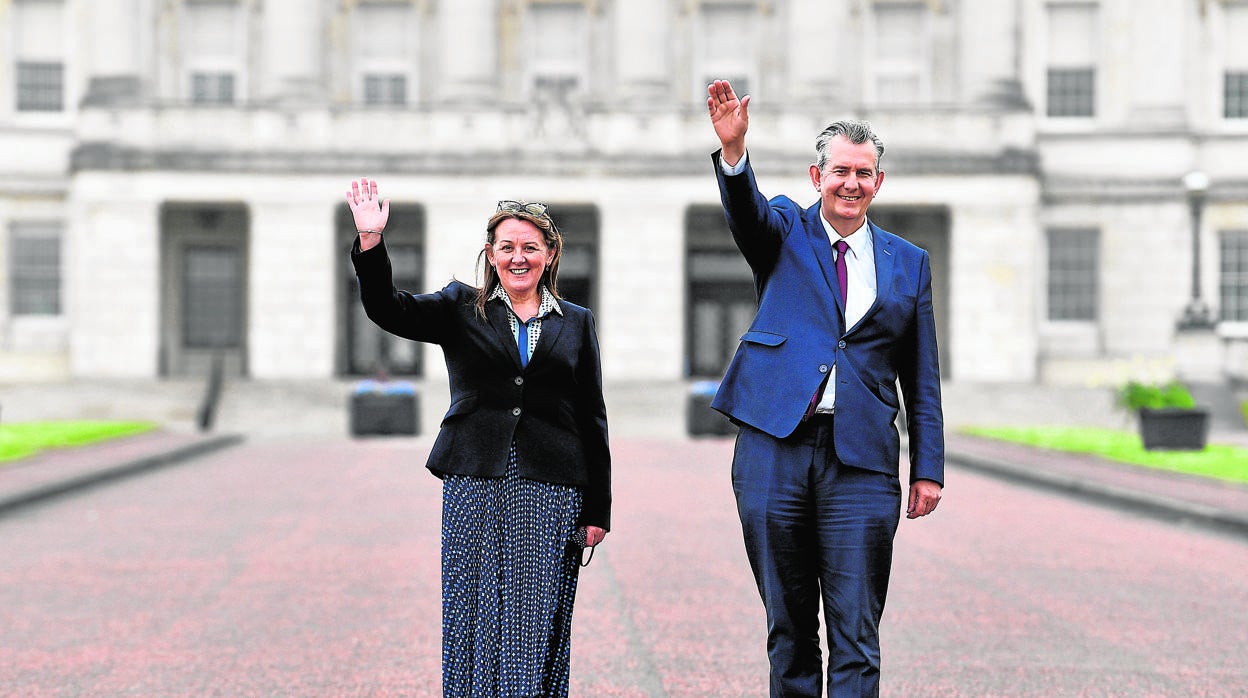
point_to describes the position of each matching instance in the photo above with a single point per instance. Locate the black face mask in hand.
(581, 542)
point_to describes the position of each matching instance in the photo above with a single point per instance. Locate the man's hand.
(730, 117)
(369, 212)
(924, 496)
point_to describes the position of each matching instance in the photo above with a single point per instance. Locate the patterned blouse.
(533, 328)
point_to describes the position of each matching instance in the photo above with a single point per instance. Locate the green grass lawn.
(23, 439)
(1217, 461)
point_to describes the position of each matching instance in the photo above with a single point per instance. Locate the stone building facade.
(172, 171)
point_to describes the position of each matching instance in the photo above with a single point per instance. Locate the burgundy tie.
(842, 277)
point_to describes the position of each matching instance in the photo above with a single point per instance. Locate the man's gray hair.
(855, 131)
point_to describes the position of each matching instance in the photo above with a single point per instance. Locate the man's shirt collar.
(858, 240)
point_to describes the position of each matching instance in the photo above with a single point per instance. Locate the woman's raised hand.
(369, 212)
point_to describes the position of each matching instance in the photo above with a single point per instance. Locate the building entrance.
(203, 289)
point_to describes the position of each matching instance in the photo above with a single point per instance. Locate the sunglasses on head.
(532, 208)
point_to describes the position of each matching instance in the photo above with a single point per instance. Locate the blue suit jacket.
(798, 333)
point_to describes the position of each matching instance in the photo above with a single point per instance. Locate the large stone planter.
(1174, 429)
(700, 418)
(381, 408)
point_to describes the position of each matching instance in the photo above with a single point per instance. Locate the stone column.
(812, 72)
(989, 38)
(293, 35)
(643, 53)
(468, 43)
(112, 51)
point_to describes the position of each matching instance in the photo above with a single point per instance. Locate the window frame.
(1048, 65)
(579, 74)
(21, 270)
(883, 66)
(18, 85)
(404, 65)
(1088, 291)
(61, 54)
(1223, 314)
(216, 64)
(734, 66)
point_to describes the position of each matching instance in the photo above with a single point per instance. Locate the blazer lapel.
(818, 238)
(552, 325)
(496, 313)
(881, 246)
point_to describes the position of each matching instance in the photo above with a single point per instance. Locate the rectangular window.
(735, 60)
(1233, 276)
(558, 68)
(385, 52)
(212, 88)
(35, 268)
(385, 89)
(40, 86)
(1235, 61)
(1071, 76)
(1235, 95)
(214, 47)
(39, 55)
(1073, 263)
(1071, 92)
(901, 62)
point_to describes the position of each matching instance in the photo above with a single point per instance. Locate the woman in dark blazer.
(522, 451)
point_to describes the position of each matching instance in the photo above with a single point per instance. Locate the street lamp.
(1196, 314)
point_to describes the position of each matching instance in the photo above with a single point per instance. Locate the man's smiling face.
(847, 183)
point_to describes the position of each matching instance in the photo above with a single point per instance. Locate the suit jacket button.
(519, 380)
(823, 368)
(841, 344)
(515, 411)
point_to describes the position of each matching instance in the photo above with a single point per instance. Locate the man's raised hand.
(730, 117)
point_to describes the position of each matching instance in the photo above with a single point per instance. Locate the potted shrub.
(1169, 418)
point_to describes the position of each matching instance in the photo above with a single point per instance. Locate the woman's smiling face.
(519, 255)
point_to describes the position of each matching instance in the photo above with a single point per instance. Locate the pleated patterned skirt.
(508, 585)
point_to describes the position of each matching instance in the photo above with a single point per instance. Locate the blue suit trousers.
(816, 529)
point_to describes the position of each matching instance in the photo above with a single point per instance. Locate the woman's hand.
(594, 535)
(370, 215)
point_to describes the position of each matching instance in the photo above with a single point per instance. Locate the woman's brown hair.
(550, 233)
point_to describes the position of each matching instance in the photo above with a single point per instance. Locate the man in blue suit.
(844, 315)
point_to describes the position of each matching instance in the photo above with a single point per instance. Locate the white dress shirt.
(859, 288)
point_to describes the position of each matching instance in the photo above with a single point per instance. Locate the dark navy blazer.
(552, 408)
(798, 333)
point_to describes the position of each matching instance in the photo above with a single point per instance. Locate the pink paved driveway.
(310, 568)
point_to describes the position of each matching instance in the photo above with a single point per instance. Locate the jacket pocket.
(767, 339)
(889, 395)
(462, 406)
